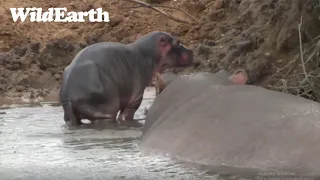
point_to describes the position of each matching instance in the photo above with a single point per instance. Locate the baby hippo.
(108, 77)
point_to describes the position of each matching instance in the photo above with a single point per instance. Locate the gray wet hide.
(106, 78)
(207, 119)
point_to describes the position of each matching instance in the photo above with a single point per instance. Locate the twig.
(309, 58)
(189, 15)
(210, 3)
(283, 68)
(301, 52)
(159, 11)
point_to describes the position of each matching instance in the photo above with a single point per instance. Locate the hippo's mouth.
(185, 60)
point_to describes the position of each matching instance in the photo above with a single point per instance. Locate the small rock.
(243, 45)
(57, 76)
(209, 42)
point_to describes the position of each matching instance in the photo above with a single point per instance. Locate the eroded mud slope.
(259, 36)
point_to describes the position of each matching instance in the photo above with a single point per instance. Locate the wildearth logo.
(58, 15)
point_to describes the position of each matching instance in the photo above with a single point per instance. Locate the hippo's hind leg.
(66, 117)
(127, 112)
(96, 112)
(70, 116)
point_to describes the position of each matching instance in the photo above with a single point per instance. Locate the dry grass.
(306, 72)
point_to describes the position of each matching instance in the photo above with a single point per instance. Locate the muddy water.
(35, 144)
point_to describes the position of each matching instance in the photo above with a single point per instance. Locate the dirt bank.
(260, 36)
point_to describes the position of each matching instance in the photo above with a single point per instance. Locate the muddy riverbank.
(261, 37)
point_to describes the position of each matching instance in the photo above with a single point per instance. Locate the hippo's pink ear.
(138, 36)
(239, 77)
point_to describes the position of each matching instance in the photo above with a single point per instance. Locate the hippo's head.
(167, 51)
(177, 56)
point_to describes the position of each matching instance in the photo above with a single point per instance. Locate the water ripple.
(34, 144)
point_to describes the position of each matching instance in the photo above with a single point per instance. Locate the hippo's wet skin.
(209, 119)
(181, 91)
(105, 78)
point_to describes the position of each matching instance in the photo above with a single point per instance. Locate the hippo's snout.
(186, 57)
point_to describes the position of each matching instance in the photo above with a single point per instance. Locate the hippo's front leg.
(126, 115)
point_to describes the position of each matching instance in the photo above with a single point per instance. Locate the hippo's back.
(99, 51)
(181, 90)
(244, 126)
(97, 67)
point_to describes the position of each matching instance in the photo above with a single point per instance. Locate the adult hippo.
(108, 77)
(215, 119)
